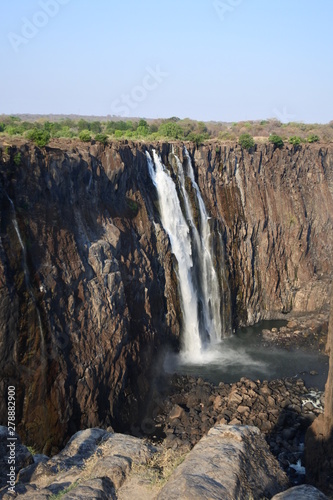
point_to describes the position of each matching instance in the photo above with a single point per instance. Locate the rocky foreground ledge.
(230, 462)
(282, 409)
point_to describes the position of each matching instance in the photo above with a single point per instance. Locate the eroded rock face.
(319, 437)
(88, 282)
(86, 303)
(276, 210)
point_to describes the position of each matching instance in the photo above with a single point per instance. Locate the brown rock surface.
(101, 280)
(230, 462)
(304, 492)
(93, 464)
(275, 208)
(86, 305)
(319, 438)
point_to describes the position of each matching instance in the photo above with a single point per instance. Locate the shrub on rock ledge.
(313, 138)
(39, 137)
(103, 138)
(295, 140)
(85, 136)
(246, 141)
(276, 140)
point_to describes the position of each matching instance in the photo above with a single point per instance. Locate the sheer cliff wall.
(276, 208)
(88, 285)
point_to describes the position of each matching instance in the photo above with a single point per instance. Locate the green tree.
(12, 130)
(57, 126)
(110, 127)
(142, 130)
(2, 127)
(142, 123)
(39, 137)
(64, 132)
(48, 126)
(96, 127)
(26, 126)
(202, 127)
(103, 138)
(85, 136)
(198, 139)
(14, 119)
(276, 140)
(295, 140)
(171, 130)
(83, 125)
(67, 122)
(246, 141)
(153, 128)
(118, 133)
(313, 138)
(121, 125)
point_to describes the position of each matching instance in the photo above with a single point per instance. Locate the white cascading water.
(210, 297)
(198, 282)
(177, 229)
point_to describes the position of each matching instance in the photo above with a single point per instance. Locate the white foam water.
(191, 244)
(178, 231)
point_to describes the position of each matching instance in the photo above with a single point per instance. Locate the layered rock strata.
(319, 438)
(88, 281)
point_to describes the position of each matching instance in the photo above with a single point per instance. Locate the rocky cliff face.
(100, 278)
(88, 283)
(319, 437)
(276, 211)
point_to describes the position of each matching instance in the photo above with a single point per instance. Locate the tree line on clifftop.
(42, 130)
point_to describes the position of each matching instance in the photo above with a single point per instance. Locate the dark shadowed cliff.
(88, 287)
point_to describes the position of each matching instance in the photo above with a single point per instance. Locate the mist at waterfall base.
(245, 354)
(204, 294)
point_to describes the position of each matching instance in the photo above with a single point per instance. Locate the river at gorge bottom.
(247, 354)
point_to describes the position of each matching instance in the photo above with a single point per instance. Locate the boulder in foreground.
(303, 492)
(231, 462)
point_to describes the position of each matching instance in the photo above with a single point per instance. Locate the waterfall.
(211, 296)
(27, 281)
(191, 244)
(177, 229)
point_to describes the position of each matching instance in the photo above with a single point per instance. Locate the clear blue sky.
(248, 59)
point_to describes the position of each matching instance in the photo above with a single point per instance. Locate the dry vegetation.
(41, 129)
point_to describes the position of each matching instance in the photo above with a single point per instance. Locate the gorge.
(99, 271)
